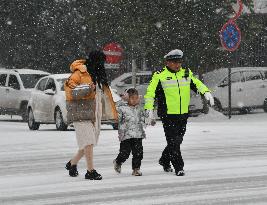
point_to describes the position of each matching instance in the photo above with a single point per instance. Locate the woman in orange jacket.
(87, 110)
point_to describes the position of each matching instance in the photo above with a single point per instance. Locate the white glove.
(150, 118)
(209, 98)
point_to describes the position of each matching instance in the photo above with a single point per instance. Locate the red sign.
(113, 52)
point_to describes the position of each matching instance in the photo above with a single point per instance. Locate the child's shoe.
(166, 168)
(137, 172)
(180, 173)
(117, 166)
(73, 172)
(93, 175)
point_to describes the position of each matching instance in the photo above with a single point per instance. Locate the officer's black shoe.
(166, 168)
(180, 173)
(93, 175)
(73, 172)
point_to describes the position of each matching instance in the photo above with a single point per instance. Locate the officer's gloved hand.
(209, 98)
(150, 118)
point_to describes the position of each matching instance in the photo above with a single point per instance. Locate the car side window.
(145, 79)
(50, 84)
(3, 79)
(235, 77)
(41, 84)
(252, 75)
(128, 80)
(13, 82)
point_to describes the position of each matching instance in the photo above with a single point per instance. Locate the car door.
(38, 96)
(254, 89)
(3, 98)
(13, 93)
(237, 88)
(49, 100)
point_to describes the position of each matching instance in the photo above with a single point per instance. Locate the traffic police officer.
(171, 88)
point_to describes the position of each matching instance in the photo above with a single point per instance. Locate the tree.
(49, 35)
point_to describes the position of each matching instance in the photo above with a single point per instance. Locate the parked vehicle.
(15, 89)
(47, 104)
(123, 82)
(249, 88)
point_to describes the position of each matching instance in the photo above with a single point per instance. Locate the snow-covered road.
(225, 163)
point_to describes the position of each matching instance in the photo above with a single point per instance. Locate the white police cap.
(174, 54)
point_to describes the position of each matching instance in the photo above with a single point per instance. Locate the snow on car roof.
(29, 71)
(60, 76)
(213, 77)
(129, 74)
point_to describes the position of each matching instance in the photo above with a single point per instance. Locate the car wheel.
(31, 121)
(244, 110)
(115, 126)
(265, 105)
(60, 124)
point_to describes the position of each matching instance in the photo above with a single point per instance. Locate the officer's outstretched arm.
(196, 84)
(203, 89)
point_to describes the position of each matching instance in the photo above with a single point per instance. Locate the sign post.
(230, 36)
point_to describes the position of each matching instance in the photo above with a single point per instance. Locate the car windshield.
(30, 80)
(61, 83)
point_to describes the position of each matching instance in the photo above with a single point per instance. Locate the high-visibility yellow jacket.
(172, 91)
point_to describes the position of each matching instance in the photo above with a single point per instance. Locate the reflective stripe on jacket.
(172, 90)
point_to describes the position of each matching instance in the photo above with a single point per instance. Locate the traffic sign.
(230, 36)
(113, 52)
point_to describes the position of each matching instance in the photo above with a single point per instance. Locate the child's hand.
(124, 96)
(149, 117)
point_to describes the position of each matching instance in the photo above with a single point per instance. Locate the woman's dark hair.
(132, 91)
(95, 64)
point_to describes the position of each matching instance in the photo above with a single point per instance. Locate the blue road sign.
(230, 36)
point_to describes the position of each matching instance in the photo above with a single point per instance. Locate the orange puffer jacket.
(79, 76)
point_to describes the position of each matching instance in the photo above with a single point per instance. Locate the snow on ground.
(225, 163)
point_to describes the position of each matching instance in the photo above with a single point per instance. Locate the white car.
(123, 82)
(47, 104)
(15, 89)
(248, 88)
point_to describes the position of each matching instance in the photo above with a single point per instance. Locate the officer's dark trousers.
(134, 145)
(174, 128)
